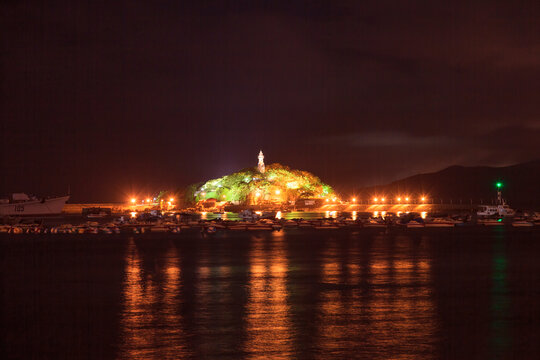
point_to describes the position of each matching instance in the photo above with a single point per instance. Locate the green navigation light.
(500, 220)
(499, 185)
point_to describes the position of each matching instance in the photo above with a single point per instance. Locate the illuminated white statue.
(261, 162)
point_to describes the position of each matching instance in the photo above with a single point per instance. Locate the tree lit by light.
(281, 182)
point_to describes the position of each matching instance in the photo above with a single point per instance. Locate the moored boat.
(20, 204)
(522, 223)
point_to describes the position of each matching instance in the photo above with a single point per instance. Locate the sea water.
(426, 294)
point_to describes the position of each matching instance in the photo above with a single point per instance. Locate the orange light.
(382, 199)
(398, 199)
(278, 192)
(423, 199)
(406, 199)
(327, 200)
(148, 200)
(133, 200)
(375, 199)
(224, 196)
(353, 199)
(257, 194)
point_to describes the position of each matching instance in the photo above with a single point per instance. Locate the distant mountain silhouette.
(521, 185)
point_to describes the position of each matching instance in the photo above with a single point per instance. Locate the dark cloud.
(114, 95)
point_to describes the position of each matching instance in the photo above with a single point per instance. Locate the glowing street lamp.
(382, 199)
(398, 199)
(353, 199)
(375, 199)
(278, 192)
(406, 199)
(133, 200)
(171, 200)
(423, 199)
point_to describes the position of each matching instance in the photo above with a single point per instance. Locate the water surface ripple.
(467, 293)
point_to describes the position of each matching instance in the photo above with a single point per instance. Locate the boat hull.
(51, 206)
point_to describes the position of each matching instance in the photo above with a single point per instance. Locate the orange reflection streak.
(340, 274)
(402, 310)
(391, 303)
(268, 324)
(145, 304)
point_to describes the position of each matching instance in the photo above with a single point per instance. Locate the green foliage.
(279, 183)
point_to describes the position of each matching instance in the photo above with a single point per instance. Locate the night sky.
(115, 98)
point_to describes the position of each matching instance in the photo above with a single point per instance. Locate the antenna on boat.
(499, 186)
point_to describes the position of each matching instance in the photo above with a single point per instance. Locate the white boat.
(490, 222)
(501, 209)
(374, 223)
(20, 204)
(441, 223)
(414, 224)
(490, 210)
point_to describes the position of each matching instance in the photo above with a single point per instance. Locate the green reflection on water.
(500, 303)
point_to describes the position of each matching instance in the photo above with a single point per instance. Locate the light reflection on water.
(373, 296)
(469, 293)
(150, 299)
(268, 320)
